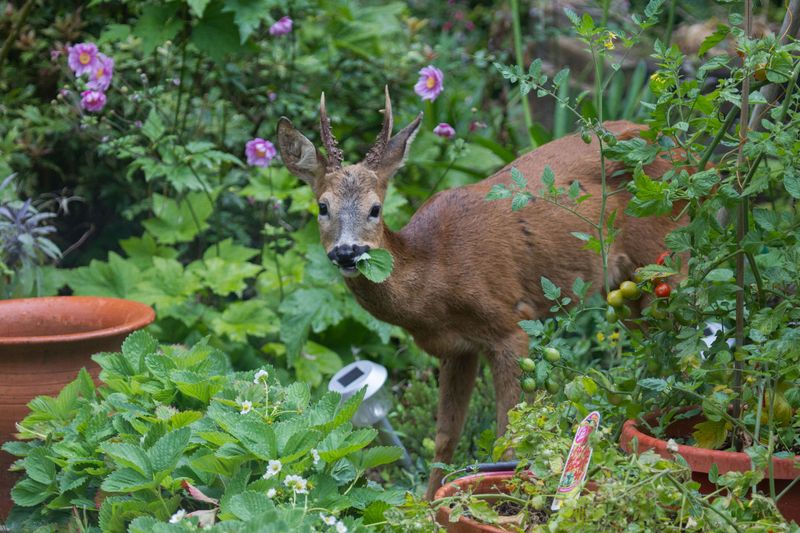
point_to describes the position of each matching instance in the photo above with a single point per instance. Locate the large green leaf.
(196, 385)
(28, 493)
(126, 480)
(216, 34)
(240, 319)
(224, 277)
(39, 466)
(159, 23)
(164, 454)
(316, 361)
(116, 278)
(130, 456)
(248, 14)
(178, 220)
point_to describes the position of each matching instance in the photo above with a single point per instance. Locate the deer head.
(350, 197)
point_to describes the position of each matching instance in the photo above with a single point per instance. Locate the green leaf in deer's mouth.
(376, 265)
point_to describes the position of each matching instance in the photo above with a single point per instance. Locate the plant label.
(577, 464)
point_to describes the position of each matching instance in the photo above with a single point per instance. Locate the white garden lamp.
(377, 400)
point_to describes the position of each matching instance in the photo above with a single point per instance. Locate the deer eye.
(323, 209)
(375, 212)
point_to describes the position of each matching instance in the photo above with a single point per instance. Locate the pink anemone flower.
(100, 77)
(259, 152)
(282, 27)
(445, 130)
(82, 58)
(93, 101)
(430, 84)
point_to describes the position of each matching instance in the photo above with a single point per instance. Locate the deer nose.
(345, 255)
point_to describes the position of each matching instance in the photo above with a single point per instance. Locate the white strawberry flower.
(340, 527)
(271, 493)
(315, 455)
(177, 517)
(329, 520)
(246, 406)
(260, 377)
(297, 484)
(273, 468)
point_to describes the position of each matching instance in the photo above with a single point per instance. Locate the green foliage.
(646, 492)
(161, 438)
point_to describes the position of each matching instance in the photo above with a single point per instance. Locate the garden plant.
(140, 159)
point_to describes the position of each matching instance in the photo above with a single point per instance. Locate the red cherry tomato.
(662, 258)
(663, 290)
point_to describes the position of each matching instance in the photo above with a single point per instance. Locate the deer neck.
(392, 300)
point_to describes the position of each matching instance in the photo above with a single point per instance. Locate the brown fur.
(467, 270)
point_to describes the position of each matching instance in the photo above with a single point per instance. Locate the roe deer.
(466, 271)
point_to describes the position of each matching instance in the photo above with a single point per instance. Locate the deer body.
(466, 271)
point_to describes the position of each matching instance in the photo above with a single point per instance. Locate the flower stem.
(526, 108)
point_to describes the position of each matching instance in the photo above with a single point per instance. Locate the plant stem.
(670, 23)
(526, 107)
(732, 114)
(741, 231)
(275, 250)
(601, 225)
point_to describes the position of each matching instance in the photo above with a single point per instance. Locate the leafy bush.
(644, 492)
(174, 435)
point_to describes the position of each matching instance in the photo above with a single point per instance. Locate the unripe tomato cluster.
(528, 366)
(632, 290)
(617, 310)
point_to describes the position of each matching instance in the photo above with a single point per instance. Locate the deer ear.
(299, 154)
(396, 151)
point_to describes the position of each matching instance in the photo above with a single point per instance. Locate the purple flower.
(282, 27)
(259, 152)
(430, 84)
(444, 130)
(82, 58)
(272, 96)
(93, 101)
(100, 77)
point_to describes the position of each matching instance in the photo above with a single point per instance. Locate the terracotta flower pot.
(700, 461)
(44, 342)
(488, 483)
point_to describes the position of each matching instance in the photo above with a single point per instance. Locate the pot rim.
(462, 482)
(631, 430)
(140, 316)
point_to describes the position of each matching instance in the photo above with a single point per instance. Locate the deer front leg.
(456, 380)
(504, 362)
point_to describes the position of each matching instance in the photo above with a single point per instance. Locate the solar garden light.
(377, 401)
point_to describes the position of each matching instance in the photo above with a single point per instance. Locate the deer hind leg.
(456, 380)
(504, 362)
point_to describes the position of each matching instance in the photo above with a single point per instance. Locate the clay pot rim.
(142, 315)
(631, 430)
(451, 488)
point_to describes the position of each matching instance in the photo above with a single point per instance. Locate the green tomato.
(529, 384)
(586, 137)
(527, 364)
(624, 312)
(615, 298)
(551, 354)
(611, 314)
(629, 290)
(552, 386)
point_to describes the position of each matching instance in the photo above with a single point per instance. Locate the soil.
(512, 513)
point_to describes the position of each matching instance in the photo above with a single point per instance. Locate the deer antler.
(375, 153)
(334, 160)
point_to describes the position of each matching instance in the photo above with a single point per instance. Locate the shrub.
(173, 435)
